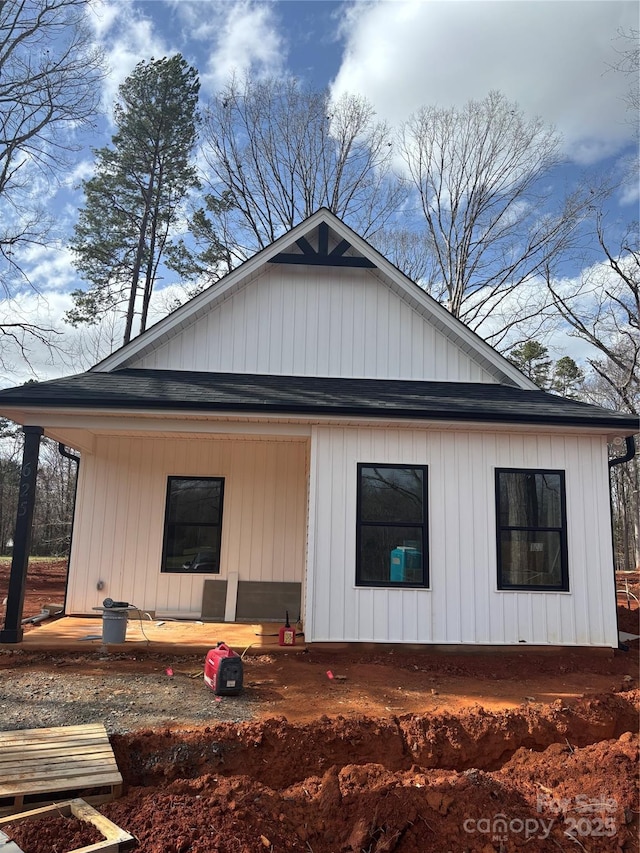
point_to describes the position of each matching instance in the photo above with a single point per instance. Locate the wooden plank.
(50, 761)
(232, 597)
(61, 783)
(40, 758)
(28, 736)
(59, 768)
(53, 756)
(115, 838)
(53, 745)
(62, 733)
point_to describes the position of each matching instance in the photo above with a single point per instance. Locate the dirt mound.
(535, 779)
(628, 620)
(277, 753)
(544, 778)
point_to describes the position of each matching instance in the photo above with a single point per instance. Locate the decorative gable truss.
(323, 256)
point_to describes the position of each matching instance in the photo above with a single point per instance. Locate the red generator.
(223, 670)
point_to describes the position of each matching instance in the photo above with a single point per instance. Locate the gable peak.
(320, 244)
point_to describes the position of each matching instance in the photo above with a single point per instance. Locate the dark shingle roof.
(136, 389)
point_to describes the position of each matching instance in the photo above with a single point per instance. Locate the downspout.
(619, 460)
(62, 450)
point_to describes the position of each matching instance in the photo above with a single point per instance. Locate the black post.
(12, 632)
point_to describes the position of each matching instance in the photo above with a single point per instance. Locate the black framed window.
(391, 533)
(532, 529)
(193, 525)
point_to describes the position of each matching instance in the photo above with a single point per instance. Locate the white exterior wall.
(462, 604)
(316, 321)
(120, 511)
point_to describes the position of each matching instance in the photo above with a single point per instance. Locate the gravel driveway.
(54, 692)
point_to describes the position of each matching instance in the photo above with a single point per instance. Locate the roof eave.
(613, 426)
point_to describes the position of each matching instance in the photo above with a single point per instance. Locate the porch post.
(12, 632)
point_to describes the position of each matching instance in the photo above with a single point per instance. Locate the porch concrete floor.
(80, 633)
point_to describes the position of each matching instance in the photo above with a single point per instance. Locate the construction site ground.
(349, 750)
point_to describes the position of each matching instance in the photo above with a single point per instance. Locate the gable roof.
(175, 390)
(337, 245)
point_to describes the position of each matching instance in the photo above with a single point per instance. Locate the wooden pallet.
(37, 765)
(115, 839)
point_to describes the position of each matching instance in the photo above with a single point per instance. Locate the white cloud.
(552, 58)
(81, 171)
(246, 40)
(103, 15)
(27, 356)
(49, 268)
(127, 36)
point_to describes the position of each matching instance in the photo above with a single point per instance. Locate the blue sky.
(553, 57)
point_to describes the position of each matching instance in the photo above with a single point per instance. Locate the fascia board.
(51, 417)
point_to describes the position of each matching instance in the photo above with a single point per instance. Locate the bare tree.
(600, 388)
(477, 174)
(604, 311)
(49, 70)
(409, 251)
(628, 63)
(278, 151)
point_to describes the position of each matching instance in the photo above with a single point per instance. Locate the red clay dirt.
(410, 752)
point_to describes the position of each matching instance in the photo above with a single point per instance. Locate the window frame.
(167, 522)
(423, 526)
(563, 586)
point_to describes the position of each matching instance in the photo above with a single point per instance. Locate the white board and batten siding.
(315, 321)
(121, 507)
(462, 604)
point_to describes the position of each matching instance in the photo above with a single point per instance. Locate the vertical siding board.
(120, 537)
(381, 617)
(339, 581)
(483, 525)
(234, 485)
(463, 603)
(472, 515)
(122, 490)
(604, 557)
(600, 570)
(445, 602)
(323, 593)
(250, 565)
(102, 553)
(464, 596)
(316, 321)
(580, 556)
(437, 533)
(151, 534)
(79, 574)
(134, 527)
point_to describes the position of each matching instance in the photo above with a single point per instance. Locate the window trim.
(424, 526)
(165, 534)
(563, 586)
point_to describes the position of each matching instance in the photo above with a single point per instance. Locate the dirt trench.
(531, 779)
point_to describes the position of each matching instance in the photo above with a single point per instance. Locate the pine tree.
(567, 377)
(132, 200)
(532, 359)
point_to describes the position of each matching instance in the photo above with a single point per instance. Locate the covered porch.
(123, 523)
